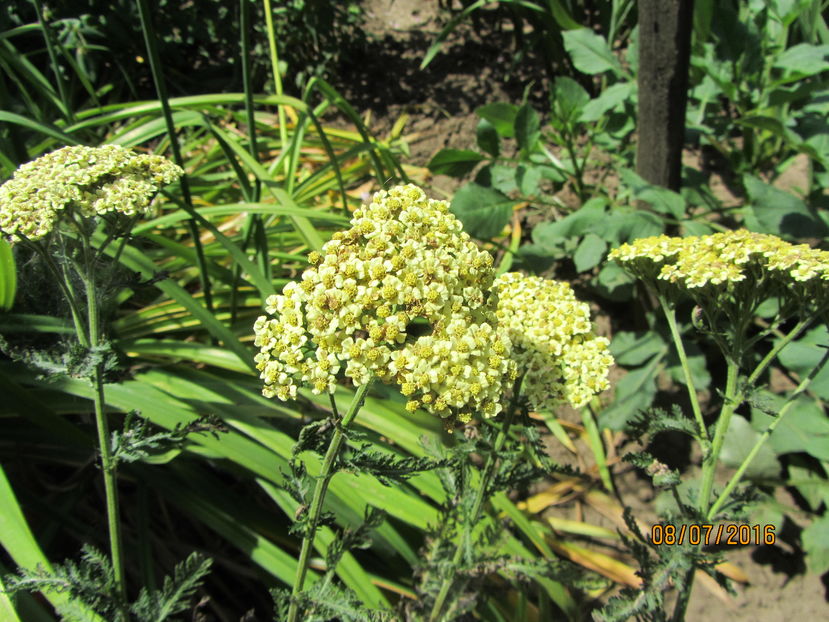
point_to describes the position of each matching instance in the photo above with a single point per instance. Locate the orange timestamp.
(730, 534)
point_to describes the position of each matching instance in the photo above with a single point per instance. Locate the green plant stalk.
(104, 440)
(161, 90)
(478, 504)
(738, 475)
(315, 510)
(670, 315)
(731, 401)
(788, 338)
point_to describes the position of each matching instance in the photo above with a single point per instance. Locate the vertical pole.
(664, 52)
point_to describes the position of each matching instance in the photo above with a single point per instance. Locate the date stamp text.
(730, 534)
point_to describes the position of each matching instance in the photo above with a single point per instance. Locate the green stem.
(738, 475)
(323, 480)
(670, 315)
(731, 401)
(107, 463)
(792, 335)
(480, 494)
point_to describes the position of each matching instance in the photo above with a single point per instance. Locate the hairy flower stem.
(315, 510)
(731, 400)
(104, 439)
(478, 504)
(670, 315)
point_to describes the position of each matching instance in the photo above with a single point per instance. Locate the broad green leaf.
(739, 440)
(815, 539)
(589, 253)
(662, 200)
(778, 212)
(696, 362)
(527, 128)
(634, 393)
(590, 52)
(631, 349)
(609, 99)
(454, 162)
(484, 212)
(614, 283)
(487, 137)
(553, 233)
(569, 99)
(527, 177)
(801, 356)
(804, 426)
(498, 176)
(627, 224)
(801, 61)
(501, 116)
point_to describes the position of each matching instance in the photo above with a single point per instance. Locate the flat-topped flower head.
(552, 341)
(89, 180)
(721, 259)
(405, 261)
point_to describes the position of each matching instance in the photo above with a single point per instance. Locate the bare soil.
(471, 71)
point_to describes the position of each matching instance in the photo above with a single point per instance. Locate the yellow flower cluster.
(91, 180)
(721, 259)
(552, 341)
(404, 260)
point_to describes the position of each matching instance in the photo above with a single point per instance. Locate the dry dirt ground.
(440, 102)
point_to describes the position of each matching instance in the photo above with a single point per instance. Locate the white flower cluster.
(719, 259)
(91, 180)
(552, 341)
(405, 260)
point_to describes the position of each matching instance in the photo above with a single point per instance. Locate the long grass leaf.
(135, 260)
(17, 539)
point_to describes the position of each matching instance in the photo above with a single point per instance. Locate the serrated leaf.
(487, 137)
(484, 212)
(454, 162)
(589, 253)
(590, 52)
(527, 128)
(501, 116)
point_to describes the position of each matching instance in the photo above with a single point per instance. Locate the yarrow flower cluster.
(91, 180)
(404, 260)
(552, 341)
(722, 259)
